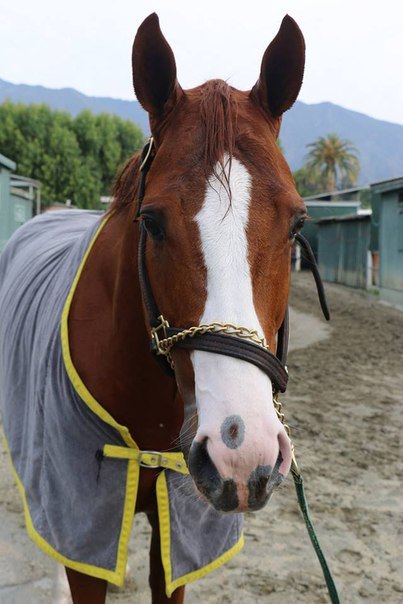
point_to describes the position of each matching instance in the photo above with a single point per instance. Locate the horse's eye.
(153, 227)
(297, 226)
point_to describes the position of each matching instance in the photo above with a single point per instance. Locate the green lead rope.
(303, 504)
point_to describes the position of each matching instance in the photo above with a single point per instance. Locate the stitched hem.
(165, 538)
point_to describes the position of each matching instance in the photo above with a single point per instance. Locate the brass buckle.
(155, 459)
(155, 335)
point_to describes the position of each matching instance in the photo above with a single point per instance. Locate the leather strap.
(239, 349)
(283, 338)
(316, 275)
(147, 293)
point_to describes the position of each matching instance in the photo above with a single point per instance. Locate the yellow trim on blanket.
(74, 377)
(165, 537)
(117, 576)
(134, 457)
(133, 469)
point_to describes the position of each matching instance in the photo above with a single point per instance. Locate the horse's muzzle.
(224, 494)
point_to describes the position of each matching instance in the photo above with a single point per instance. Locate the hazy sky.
(354, 47)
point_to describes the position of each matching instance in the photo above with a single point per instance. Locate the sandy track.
(344, 403)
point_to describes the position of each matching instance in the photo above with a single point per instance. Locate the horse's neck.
(110, 343)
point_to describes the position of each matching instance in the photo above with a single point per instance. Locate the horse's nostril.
(278, 462)
(262, 482)
(257, 484)
(222, 494)
(276, 477)
(202, 469)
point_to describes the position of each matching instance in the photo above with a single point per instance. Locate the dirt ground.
(345, 407)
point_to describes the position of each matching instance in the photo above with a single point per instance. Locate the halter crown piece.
(231, 340)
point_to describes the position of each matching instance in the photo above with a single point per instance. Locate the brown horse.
(219, 215)
(221, 211)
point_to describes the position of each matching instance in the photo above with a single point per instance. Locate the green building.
(343, 249)
(387, 199)
(19, 199)
(318, 209)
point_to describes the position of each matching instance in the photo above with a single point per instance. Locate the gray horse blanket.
(77, 468)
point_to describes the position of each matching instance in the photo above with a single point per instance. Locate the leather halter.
(213, 338)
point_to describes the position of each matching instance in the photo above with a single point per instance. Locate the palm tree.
(334, 160)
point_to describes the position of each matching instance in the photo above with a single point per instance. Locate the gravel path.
(345, 407)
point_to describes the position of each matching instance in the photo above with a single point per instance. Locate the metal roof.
(343, 218)
(329, 204)
(7, 163)
(24, 182)
(387, 185)
(336, 193)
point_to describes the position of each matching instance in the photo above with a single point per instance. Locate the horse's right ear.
(154, 69)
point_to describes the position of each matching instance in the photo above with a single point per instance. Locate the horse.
(212, 207)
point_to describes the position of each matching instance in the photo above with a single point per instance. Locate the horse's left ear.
(282, 70)
(154, 69)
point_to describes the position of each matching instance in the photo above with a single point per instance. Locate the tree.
(307, 181)
(333, 162)
(74, 158)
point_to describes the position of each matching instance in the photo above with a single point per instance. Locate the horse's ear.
(154, 69)
(282, 70)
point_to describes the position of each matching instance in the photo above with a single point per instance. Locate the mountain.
(379, 143)
(69, 99)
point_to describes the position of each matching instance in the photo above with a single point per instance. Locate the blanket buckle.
(150, 459)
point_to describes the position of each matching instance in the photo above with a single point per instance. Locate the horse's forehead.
(189, 154)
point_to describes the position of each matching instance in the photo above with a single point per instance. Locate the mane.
(218, 114)
(125, 186)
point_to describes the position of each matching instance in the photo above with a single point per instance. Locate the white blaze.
(226, 386)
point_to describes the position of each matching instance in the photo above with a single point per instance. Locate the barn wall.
(16, 205)
(323, 209)
(6, 166)
(343, 250)
(391, 243)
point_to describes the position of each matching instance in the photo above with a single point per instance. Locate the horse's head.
(221, 211)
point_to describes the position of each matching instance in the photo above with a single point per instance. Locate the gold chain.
(278, 406)
(164, 345)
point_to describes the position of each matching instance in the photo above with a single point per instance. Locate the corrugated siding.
(4, 206)
(316, 212)
(343, 251)
(14, 209)
(391, 242)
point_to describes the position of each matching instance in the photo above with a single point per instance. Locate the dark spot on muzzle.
(262, 482)
(222, 494)
(233, 431)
